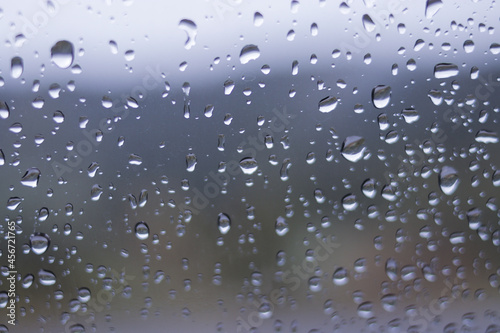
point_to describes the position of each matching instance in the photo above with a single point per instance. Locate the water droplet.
(445, 70)
(141, 230)
(43, 214)
(410, 115)
(31, 177)
(448, 180)
(224, 223)
(258, 19)
(58, 117)
(134, 159)
(95, 192)
(381, 96)
(281, 226)
(495, 48)
(389, 302)
(84, 295)
(249, 52)
(368, 23)
(16, 67)
(315, 284)
(340, 276)
(352, 148)
(228, 87)
(39, 243)
(368, 188)
(191, 30)
(191, 162)
(485, 136)
(469, 46)
(13, 203)
(327, 104)
(62, 54)
(46, 278)
(432, 7)
(349, 202)
(365, 310)
(248, 165)
(4, 110)
(265, 311)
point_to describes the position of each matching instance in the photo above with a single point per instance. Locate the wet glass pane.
(250, 166)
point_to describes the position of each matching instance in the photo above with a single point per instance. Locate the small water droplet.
(432, 7)
(368, 23)
(191, 162)
(281, 226)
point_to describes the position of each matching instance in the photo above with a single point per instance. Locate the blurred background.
(251, 166)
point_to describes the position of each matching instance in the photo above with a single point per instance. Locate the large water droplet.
(191, 162)
(381, 96)
(448, 180)
(248, 165)
(352, 148)
(445, 70)
(281, 226)
(368, 23)
(224, 223)
(16, 67)
(258, 19)
(327, 104)
(410, 115)
(249, 52)
(31, 177)
(141, 230)
(432, 7)
(341, 276)
(485, 136)
(62, 54)
(46, 278)
(191, 30)
(39, 243)
(4, 110)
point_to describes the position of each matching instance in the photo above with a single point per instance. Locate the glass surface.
(250, 166)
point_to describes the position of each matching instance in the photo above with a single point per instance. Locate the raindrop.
(368, 188)
(281, 226)
(39, 243)
(258, 19)
(340, 276)
(432, 7)
(248, 165)
(31, 177)
(46, 278)
(16, 67)
(381, 96)
(134, 159)
(191, 162)
(249, 52)
(448, 180)
(62, 54)
(327, 104)
(352, 148)
(4, 110)
(485, 136)
(191, 30)
(410, 115)
(368, 23)
(141, 230)
(445, 70)
(224, 223)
